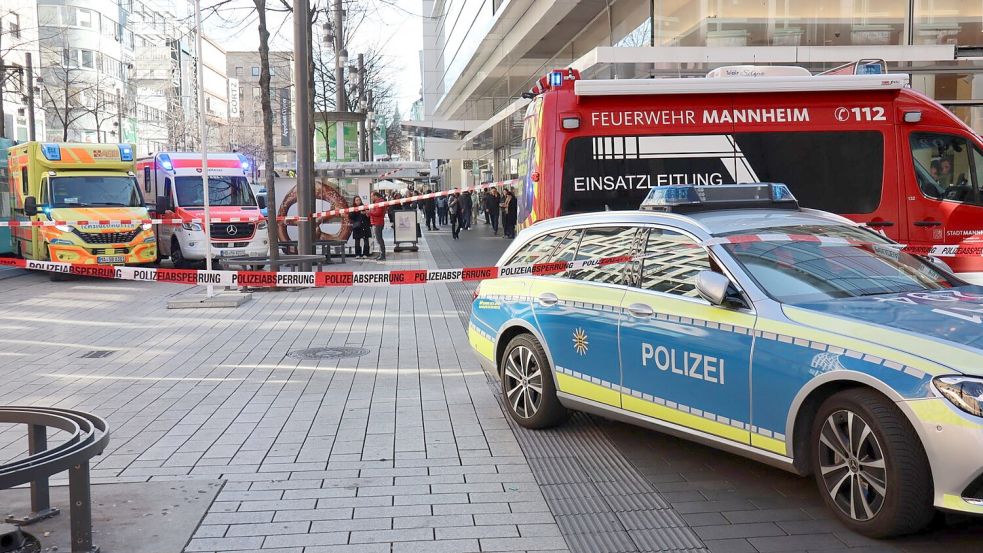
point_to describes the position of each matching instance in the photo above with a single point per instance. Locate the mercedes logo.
(231, 230)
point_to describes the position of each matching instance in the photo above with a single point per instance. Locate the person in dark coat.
(392, 212)
(454, 209)
(429, 211)
(467, 205)
(361, 229)
(511, 210)
(492, 208)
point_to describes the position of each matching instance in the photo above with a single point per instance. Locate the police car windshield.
(222, 190)
(795, 265)
(95, 191)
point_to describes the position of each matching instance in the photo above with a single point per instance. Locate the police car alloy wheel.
(527, 384)
(869, 465)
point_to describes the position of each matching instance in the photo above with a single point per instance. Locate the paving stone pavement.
(402, 449)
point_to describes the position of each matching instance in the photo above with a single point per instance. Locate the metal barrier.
(88, 436)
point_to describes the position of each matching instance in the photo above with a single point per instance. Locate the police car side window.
(600, 243)
(670, 262)
(537, 249)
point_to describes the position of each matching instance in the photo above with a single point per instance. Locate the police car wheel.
(870, 466)
(527, 384)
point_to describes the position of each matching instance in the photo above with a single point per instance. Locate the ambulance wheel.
(527, 384)
(177, 256)
(870, 466)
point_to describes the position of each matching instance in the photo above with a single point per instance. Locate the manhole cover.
(340, 352)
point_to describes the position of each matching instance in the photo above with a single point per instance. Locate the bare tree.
(66, 87)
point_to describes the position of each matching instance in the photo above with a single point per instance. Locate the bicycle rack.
(88, 436)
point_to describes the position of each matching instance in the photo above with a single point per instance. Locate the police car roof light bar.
(687, 198)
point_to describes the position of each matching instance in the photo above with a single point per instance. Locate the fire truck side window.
(946, 167)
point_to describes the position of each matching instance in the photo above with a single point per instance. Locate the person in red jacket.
(377, 218)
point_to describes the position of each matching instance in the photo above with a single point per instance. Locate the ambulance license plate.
(110, 259)
(232, 253)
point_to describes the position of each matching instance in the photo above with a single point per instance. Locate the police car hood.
(944, 326)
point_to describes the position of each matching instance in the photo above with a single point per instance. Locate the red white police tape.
(260, 279)
(95, 224)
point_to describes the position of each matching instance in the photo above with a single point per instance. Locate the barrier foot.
(80, 497)
(33, 517)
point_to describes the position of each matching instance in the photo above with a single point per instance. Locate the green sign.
(350, 141)
(130, 130)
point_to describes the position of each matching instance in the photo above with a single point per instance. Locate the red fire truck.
(860, 144)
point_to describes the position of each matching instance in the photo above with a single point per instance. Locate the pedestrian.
(429, 211)
(361, 229)
(511, 212)
(476, 207)
(377, 218)
(442, 210)
(467, 205)
(483, 202)
(492, 209)
(454, 207)
(392, 212)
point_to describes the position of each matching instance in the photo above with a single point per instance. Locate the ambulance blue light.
(165, 162)
(125, 152)
(689, 198)
(244, 161)
(556, 78)
(51, 152)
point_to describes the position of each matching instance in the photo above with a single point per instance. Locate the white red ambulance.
(856, 141)
(174, 179)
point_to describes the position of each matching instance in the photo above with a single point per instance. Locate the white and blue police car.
(730, 316)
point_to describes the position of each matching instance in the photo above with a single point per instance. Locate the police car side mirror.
(712, 286)
(261, 202)
(30, 206)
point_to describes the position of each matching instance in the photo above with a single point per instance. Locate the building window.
(255, 71)
(87, 59)
(256, 92)
(238, 71)
(15, 25)
(84, 18)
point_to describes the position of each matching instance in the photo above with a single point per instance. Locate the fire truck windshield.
(95, 191)
(222, 191)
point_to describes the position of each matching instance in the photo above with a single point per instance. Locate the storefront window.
(723, 23)
(947, 22)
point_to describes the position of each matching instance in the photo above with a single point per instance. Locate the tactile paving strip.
(601, 503)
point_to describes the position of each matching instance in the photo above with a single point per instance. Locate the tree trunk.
(264, 86)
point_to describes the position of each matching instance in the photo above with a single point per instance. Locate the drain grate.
(338, 352)
(97, 353)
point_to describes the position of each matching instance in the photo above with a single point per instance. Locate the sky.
(393, 27)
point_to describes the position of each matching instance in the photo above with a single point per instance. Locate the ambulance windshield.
(95, 191)
(805, 264)
(222, 191)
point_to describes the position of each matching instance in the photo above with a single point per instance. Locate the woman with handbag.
(361, 230)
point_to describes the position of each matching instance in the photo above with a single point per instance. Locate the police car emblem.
(580, 342)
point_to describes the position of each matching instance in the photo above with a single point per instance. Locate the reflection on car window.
(946, 167)
(537, 249)
(803, 271)
(599, 243)
(670, 262)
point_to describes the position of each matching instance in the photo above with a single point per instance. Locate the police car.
(730, 316)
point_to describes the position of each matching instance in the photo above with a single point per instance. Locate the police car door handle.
(640, 310)
(928, 223)
(880, 223)
(548, 298)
